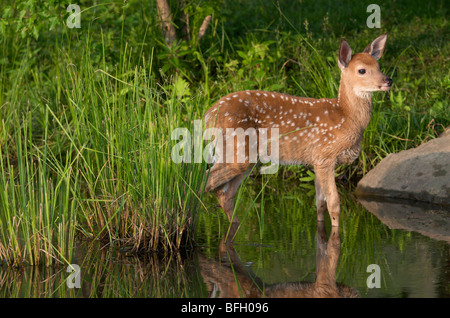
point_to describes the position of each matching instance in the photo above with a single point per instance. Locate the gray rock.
(422, 173)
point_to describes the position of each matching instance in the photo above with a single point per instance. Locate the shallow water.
(279, 251)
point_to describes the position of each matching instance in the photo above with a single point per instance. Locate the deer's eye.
(362, 71)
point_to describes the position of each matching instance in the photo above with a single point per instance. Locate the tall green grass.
(86, 114)
(92, 156)
(37, 218)
(122, 121)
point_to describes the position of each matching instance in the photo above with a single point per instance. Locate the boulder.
(421, 173)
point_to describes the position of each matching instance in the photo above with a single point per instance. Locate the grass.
(93, 158)
(86, 115)
(134, 188)
(38, 217)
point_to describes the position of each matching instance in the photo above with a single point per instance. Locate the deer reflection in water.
(232, 279)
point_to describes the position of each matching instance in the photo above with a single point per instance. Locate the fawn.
(321, 133)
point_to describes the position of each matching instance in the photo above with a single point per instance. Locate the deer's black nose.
(388, 81)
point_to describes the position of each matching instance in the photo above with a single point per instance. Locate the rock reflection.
(427, 219)
(231, 278)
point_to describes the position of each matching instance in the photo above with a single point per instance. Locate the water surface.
(279, 251)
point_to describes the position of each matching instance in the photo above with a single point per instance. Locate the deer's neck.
(357, 107)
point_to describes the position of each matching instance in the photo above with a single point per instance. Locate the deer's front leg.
(328, 192)
(321, 204)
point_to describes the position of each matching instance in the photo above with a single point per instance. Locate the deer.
(320, 133)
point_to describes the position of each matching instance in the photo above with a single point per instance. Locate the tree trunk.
(165, 17)
(184, 18)
(204, 27)
(168, 28)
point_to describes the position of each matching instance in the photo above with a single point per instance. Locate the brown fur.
(318, 132)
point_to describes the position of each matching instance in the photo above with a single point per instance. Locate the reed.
(37, 218)
(134, 192)
(86, 115)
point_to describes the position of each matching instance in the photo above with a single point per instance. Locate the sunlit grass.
(37, 217)
(86, 116)
(97, 162)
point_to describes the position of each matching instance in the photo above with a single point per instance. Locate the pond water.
(279, 250)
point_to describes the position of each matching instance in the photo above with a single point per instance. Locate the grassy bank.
(86, 115)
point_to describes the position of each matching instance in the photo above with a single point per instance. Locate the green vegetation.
(86, 114)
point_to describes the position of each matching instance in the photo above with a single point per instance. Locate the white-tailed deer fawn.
(321, 133)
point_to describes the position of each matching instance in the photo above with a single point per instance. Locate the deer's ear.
(345, 54)
(376, 48)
